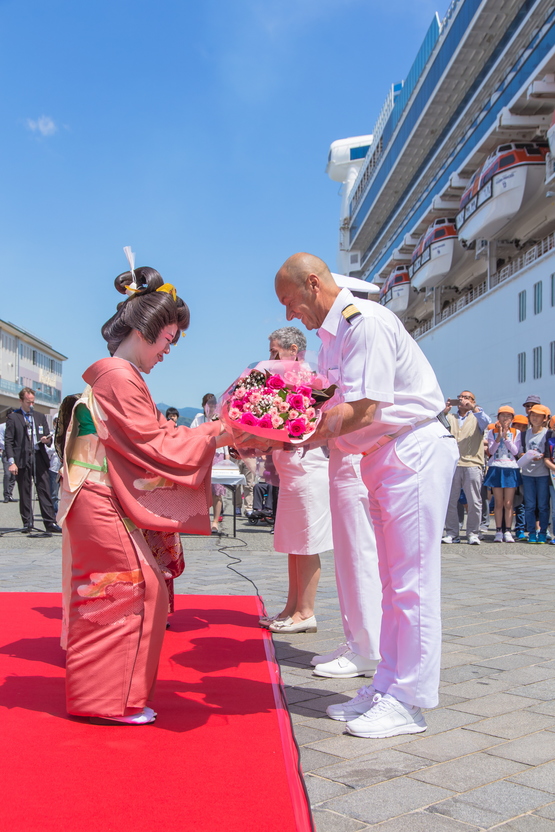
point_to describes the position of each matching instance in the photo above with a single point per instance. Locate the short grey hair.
(286, 336)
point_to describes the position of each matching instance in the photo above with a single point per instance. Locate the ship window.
(537, 362)
(553, 290)
(441, 232)
(491, 172)
(552, 358)
(538, 297)
(522, 305)
(521, 367)
(504, 147)
(359, 152)
(508, 160)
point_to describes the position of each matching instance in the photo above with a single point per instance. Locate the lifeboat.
(435, 254)
(498, 190)
(395, 292)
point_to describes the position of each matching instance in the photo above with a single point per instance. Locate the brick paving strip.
(487, 760)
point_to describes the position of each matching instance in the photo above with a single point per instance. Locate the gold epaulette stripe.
(350, 312)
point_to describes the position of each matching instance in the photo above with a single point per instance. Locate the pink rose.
(305, 390)
(296, 401)
(296, 427)
(294, 414)
(265, 421)
(283, 407)
(275, 383)
(239, 392)
(277, 422)
(255, 397)
(310, 413)
(234, 413)
(249, 420)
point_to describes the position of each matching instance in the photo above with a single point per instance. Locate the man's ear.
(314, 282)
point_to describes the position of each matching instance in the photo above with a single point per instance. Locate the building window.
(521, 367)
(552, 358)
(537, 362)
(522, 306)
(538, 299)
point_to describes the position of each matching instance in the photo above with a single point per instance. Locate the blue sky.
(197, 133)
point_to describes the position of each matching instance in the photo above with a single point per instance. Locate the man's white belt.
(389, 437)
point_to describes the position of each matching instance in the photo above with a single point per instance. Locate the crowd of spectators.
(506, 468)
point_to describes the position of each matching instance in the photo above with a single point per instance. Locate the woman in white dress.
(303, 521)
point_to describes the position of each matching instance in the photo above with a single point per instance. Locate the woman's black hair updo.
(146, 310)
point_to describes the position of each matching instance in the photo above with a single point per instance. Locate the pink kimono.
(138, 472)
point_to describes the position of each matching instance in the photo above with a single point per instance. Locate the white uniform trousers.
(356, 562)
(408, 482)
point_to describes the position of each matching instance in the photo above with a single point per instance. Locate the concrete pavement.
(487, 759)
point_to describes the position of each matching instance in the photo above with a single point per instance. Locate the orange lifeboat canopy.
(511, 155)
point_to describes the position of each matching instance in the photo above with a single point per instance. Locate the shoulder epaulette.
(350, 313)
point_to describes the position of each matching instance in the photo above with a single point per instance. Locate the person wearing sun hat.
(535, 474)
(503, 475)
(549, 460)
(520, 422)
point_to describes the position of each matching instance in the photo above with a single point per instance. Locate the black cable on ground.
(284, 701)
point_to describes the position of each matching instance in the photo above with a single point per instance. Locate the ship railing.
(449, 13)
(523, 260)
(420, 330)
(530, 256)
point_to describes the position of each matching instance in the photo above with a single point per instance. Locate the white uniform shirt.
(374, 357)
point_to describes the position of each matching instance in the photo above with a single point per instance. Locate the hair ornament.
(169, 289)
(132, 288)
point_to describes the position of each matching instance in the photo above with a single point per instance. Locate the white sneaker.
(450, 539)
(508, 538)
(498, 537)
(387, 718)
(346, 666)
(359, 704)
(473, 539)
(328, 657)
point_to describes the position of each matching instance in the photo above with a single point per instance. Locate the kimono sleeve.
(134, 429)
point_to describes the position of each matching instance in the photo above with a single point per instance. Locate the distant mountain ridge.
(186, 414)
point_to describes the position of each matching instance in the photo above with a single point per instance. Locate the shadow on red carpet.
(219, 757)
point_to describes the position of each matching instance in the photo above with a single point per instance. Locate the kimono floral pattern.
(111, 596)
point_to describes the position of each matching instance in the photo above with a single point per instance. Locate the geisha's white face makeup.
(148, 355)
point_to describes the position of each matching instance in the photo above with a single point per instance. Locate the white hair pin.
(132, 288)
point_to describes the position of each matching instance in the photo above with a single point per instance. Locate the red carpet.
(220, 756)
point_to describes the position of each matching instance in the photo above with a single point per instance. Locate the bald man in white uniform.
(387, 402)
(356, 562)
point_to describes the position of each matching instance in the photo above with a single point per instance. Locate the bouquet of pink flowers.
(277, 400)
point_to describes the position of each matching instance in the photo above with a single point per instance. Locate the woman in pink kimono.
(126, 469)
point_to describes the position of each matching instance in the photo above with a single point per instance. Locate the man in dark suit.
(27, 434)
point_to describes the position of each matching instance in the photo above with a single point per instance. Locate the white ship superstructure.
(451, 211)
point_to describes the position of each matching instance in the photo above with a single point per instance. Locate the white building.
(27, 361)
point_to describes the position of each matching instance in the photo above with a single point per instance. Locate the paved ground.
(487, 759)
